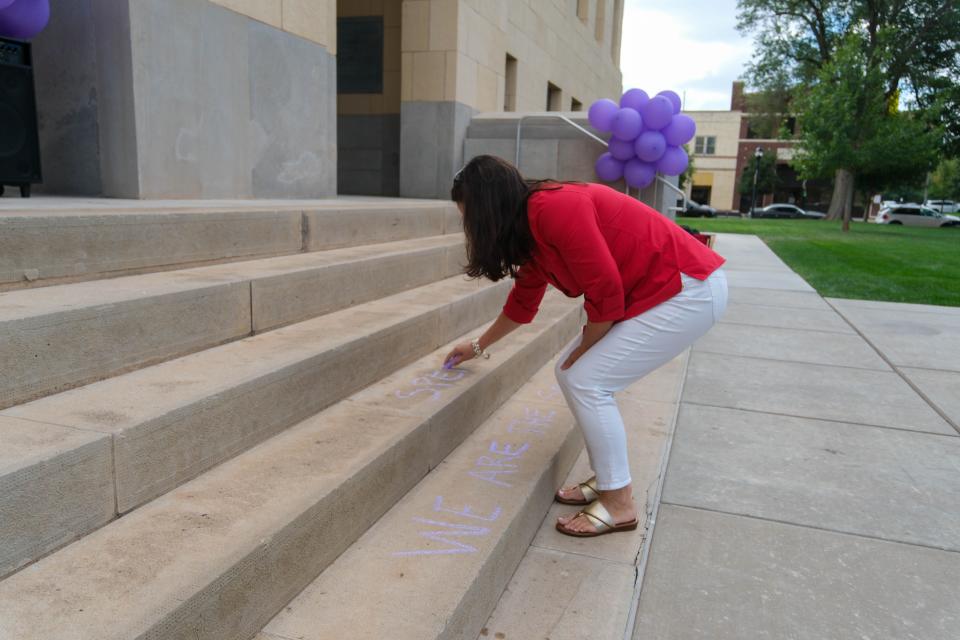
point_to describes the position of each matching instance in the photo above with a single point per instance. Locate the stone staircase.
(230, 422)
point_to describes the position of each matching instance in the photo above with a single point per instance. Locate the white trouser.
(630, 350)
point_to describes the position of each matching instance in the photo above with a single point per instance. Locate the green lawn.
(871, 261)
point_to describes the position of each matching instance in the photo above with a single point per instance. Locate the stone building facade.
(239, 98)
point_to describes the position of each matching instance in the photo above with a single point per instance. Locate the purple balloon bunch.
(23, 19)
(647, 134)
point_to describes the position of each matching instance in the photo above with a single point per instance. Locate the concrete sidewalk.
(813, 485)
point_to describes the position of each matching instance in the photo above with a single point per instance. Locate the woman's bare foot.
(574, 493)
(618, 502)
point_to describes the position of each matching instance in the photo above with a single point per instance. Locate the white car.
(914, 215)
(786, 211)
(943, 206)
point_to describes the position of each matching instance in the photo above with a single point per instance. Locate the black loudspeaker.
(19, 142)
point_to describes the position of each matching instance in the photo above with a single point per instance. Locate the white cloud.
(688, 46)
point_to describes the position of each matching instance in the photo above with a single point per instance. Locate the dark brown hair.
(494, 197)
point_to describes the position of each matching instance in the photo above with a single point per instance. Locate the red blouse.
(621, 255)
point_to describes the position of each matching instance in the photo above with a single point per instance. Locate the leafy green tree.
(766, 178)
(686, 177)
(945, 180)
(848, 63)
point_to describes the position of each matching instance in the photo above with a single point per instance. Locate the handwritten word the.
(533, 421)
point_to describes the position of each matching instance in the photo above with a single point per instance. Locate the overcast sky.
(683, 45)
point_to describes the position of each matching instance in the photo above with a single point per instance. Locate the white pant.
(630, 350)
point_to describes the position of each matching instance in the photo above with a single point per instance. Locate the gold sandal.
(589, 491)
(602, 521)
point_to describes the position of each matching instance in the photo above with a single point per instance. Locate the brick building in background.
(721, 152)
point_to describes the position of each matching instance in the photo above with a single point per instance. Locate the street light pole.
(758, 155)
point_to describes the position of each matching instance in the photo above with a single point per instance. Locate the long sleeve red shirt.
(621, 255)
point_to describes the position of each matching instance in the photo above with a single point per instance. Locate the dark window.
(510, 84)
(554, 95)
(360, 55)
(705, 145)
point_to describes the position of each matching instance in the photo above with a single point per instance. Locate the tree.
(849, 130)
(766, 178)
(687, 175)
(945, 180)
(848, 62)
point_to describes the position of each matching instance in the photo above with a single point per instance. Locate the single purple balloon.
(674, 161)
(673, 98)
(657, 113)
(680, 130)
(24, 19)
(639, 174)
(601, 114)
(621, 149)
(627, 124)
(609, 169)
(5, 3)
(649, 146)
(634, 99)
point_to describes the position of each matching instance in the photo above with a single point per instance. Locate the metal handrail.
(559, 116)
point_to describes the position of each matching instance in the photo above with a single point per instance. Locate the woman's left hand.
(593, 332)
(573, 357)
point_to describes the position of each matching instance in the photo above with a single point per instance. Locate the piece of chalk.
(451, 363)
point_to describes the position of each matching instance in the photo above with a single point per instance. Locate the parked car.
(697, 210)
(914, 215)
(943, 206)
(786, 211)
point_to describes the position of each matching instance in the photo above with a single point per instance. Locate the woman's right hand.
(460, 354)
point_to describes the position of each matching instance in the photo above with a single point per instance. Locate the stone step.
(217, 557)
(58, 337)
(47, 241)
(435, 565)
(73, 461)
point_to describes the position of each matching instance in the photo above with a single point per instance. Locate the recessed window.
(705, 145)
(601, 23)
(360, 55)
(583, 10)
(510, 84)
(554, 95)
(575, 105)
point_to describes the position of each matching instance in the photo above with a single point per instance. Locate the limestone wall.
(187, 99)
(454, 65)
(315, 20)
(455, 50)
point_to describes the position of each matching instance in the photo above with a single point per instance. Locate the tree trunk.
(848, 204)
(842, 193)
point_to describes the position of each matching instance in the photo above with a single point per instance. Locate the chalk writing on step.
(433, 383)
(448, 531)
(502, 462)
(533, 421)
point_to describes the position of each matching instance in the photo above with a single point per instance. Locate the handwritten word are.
(502, 461)
(450, 530)
(433, 383)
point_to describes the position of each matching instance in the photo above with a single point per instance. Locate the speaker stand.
(24, 190)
